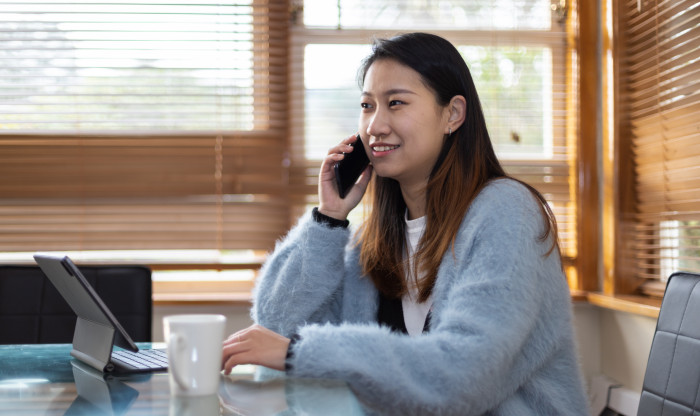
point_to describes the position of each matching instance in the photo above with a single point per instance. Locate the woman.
(451, 297)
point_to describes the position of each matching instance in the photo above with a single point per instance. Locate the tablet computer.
(97, 330)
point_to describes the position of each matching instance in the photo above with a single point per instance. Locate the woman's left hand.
(329, 202)
(255, 345)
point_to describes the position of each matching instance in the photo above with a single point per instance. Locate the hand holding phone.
(348, 170)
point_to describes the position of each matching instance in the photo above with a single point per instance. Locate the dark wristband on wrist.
(290, 353)
(330, 221)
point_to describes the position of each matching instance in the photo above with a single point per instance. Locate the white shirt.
(414, 313)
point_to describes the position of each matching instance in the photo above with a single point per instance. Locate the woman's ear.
(458, 112)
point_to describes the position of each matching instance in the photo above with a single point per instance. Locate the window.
(131, 126)
(516, 50)
(659, 103)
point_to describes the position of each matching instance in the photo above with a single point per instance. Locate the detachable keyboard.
(143, 360)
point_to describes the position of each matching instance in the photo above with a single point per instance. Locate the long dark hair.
(466, 163)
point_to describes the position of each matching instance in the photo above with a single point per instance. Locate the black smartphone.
(349, 169)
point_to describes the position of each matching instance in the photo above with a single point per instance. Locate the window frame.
(620, 287)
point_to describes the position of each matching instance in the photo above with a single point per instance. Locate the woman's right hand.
(330, 203)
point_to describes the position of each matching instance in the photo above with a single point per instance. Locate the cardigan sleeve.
(501, 339)
(300, 282)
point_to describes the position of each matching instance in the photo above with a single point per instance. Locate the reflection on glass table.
(43, 379)
(99, 393)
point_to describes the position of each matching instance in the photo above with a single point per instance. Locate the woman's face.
(402, 125)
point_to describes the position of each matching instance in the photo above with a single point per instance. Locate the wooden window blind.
(516, 50)
(138, 125)
(660, 115)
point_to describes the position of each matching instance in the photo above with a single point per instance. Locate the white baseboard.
(605, 392)
(624, 401)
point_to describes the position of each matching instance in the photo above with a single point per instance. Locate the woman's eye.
(395, 102)
(365, 105)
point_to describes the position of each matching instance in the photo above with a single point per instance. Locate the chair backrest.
(672, 378)
(33, 312)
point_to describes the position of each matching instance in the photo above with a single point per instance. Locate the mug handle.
(176, 345)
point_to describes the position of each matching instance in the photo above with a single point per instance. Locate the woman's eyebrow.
(389, 92)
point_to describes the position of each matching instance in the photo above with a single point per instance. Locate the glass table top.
(43, 379)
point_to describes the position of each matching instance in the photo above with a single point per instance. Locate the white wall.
(626, 342)
(613, 343)
(613, 349)
(587, 332)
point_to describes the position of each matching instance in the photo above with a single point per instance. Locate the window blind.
(516, 50)
(138, 125)
(660, 103)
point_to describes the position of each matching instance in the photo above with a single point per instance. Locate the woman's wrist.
(329, 220)
(290, 352)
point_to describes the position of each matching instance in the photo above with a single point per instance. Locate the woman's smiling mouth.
(384, 148)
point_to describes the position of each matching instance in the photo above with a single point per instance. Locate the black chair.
(33, 312)
(672, 378)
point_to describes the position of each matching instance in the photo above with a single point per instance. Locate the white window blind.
(660, 104)
(129, 66)
(142, 124)
(516, 51)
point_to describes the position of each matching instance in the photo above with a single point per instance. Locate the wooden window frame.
(620, 284)
(603, 166)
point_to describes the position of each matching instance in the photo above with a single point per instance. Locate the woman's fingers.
(255, 345)
(330, 202)
(335, 154)
(344, 146)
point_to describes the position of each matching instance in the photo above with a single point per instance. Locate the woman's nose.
(378, 125)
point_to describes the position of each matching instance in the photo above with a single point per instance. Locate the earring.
(450, 131)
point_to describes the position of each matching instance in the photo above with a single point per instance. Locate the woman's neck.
(415, 199)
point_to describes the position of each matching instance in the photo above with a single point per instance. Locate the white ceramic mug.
(195, 344)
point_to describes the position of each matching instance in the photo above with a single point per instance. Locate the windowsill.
(202, 298)
(638, 305)
(579, 296)
(233, 292)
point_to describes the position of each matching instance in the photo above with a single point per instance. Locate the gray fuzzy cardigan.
(500, 341)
